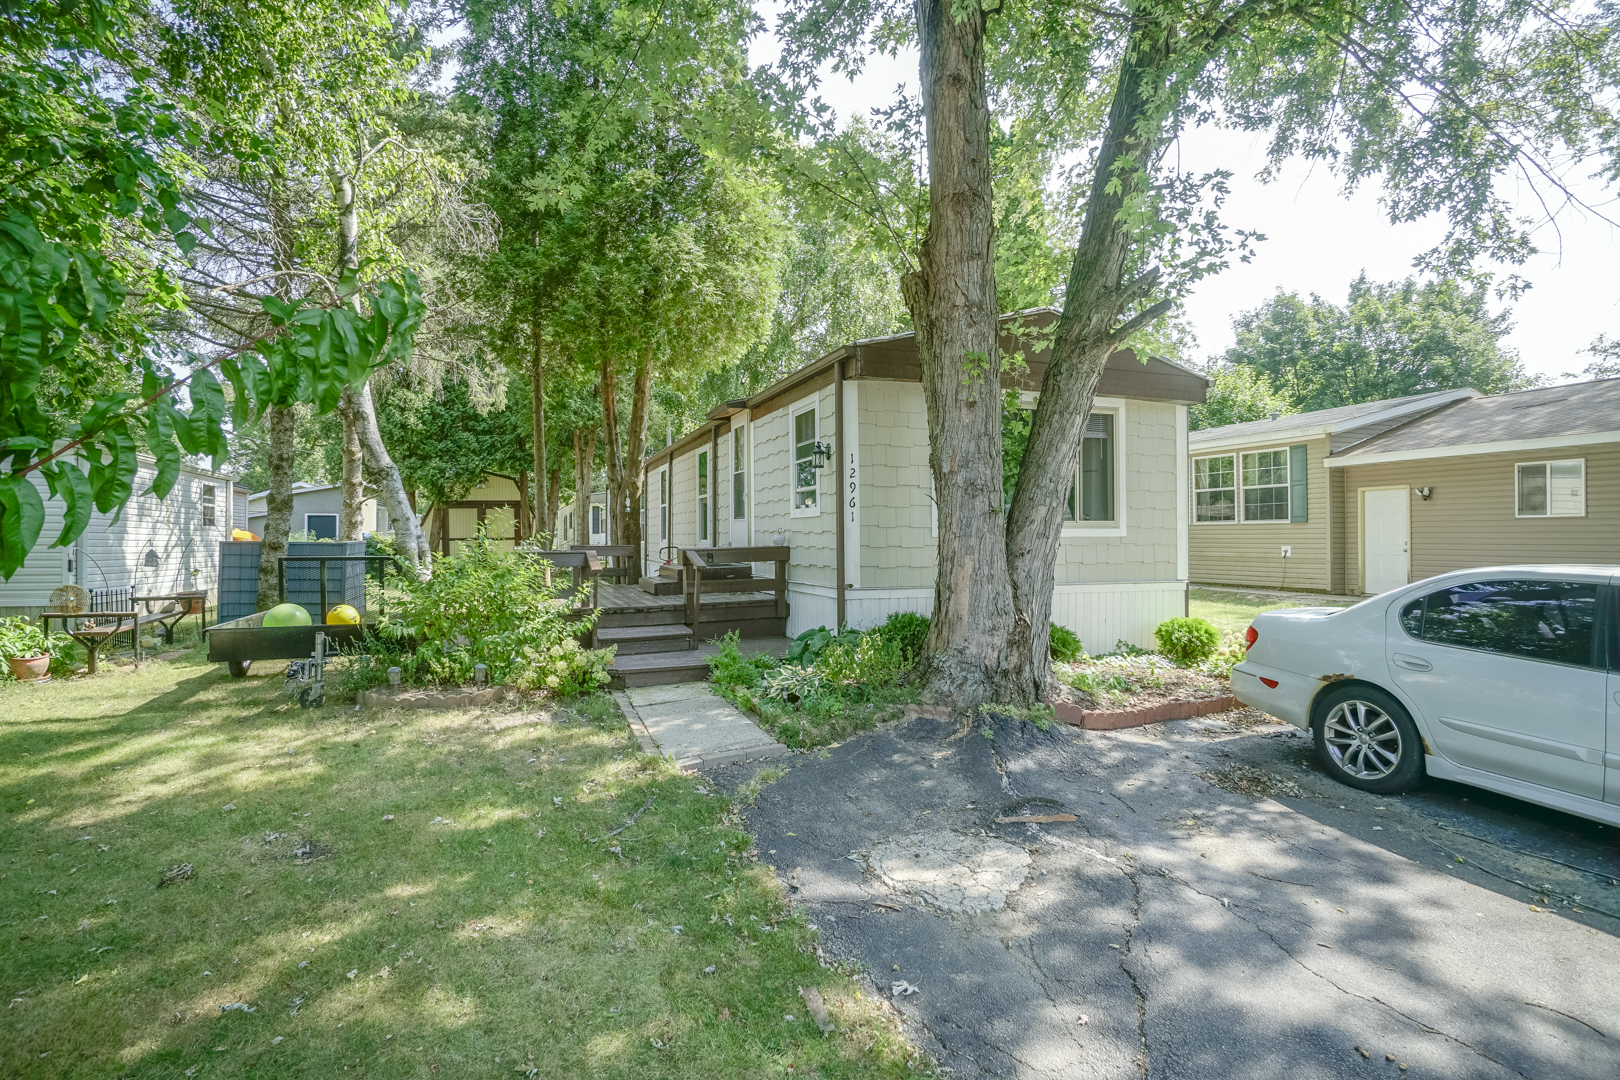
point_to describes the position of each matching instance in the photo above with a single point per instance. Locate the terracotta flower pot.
(29, 668)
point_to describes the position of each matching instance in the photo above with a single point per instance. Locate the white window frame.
(704, 495)
(1117, 408)
(1518, 472)
(663, 506)
(811, 405)
(337, 522)
(739, 472)
(1115, 526)
(210, 515)
(1236, 489)
(1287, 485)
(1241, 518)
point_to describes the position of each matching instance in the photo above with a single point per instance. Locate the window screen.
(739, 473)
(804, 467)
(1551, 488)
(1215, 488)
(1541, 620)
(1265, 486)
(208, 504)
(321, 526)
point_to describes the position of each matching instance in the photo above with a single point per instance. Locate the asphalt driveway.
(1179, 929)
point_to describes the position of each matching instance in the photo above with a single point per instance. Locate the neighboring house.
(492, 506)
(1529, 477)
(317, 509)
(239, 506)
(151, 548)
(1266, 511)
(585, 525)
(1460, 480)
(781, 465)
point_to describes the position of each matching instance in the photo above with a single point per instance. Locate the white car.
(1506, 677)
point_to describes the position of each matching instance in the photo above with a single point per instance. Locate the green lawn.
(458, 908)
(1231, 612)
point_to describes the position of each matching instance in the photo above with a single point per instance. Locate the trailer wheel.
(239, 668)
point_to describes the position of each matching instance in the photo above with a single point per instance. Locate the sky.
(1319, 239)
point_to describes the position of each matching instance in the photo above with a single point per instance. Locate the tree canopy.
(1388, 340)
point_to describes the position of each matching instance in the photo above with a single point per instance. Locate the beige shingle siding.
(1251, 553)
(1469, 520)
(1147, 550)
(897, 537)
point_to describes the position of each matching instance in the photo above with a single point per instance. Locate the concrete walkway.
(692, 724)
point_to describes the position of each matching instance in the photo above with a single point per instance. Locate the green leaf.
(22, 516)
(69, 484)
(160, 441)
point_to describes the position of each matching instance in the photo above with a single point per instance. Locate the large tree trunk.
(283, 430)
(537, 392)
(1087, 332)
(952, 297)
(409, 539)
(584, 468)
(352, 521)
(613, 453)
(635, 450)
(553, 502)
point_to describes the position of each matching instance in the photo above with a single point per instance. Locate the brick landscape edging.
(1113, 719)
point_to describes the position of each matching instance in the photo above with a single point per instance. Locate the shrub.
(908, 631)
(1065, 645)
(1187, 641)
(730, 669)
(486, 604)
(871, 663)
(809, 645)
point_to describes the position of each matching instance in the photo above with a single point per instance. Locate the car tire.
(1366, 739)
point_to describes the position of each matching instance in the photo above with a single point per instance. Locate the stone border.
(1113, 719)
(388, 697)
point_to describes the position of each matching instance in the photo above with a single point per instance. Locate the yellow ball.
(342, 615)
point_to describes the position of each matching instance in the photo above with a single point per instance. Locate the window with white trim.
(1265, 485)
(703, 495)
(321, 526)
(208, 504)
(1091, 493)
(1215, 488)
(1550, 488)
(739, 471)
(806, 492)
(663, 504)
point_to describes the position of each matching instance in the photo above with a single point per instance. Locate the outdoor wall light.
(820, 454)
(1425, 492)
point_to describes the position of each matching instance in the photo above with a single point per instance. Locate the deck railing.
(696, 560)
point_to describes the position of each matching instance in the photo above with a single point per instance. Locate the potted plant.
(27, 649)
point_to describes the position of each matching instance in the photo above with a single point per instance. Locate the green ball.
(287, 615)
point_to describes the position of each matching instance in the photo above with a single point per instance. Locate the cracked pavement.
(1176, 929)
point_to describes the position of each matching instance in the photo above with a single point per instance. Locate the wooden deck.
(688, 665)
(616, 597)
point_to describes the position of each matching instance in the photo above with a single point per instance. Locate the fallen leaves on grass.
(1253, 782)
(178, 872)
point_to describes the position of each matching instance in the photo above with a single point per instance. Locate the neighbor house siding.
(1243, 553)
(1469, 518)
(46, 567)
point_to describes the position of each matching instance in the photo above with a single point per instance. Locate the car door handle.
(1413, 663)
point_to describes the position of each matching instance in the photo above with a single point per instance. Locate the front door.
(1384, 534)
(1508, 677)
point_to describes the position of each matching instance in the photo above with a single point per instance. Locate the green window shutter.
(1299, 505)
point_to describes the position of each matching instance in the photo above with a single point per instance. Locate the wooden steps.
(668, 668)
(632, 640)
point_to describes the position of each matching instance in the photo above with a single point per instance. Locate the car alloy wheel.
(1362, 739)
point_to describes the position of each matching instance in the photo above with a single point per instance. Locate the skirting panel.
(1103, 613)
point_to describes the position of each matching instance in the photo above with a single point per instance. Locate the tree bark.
(1088, 330)
(584, 470)
(613, 452)
(283, 431)
(952, 298)
(526, 518)
(409, 539)
(636, 448)
(553, 501)
(538, 403)
(352, 521)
